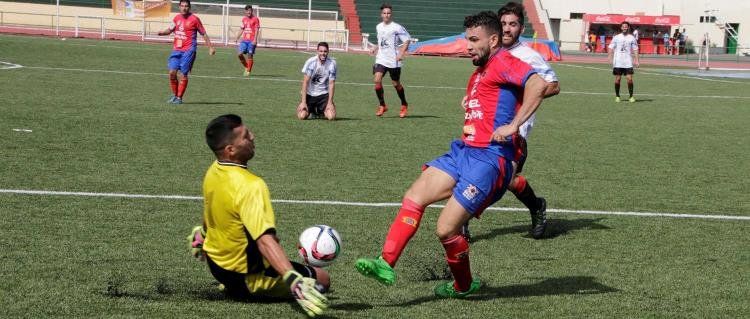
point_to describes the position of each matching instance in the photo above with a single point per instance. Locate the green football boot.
(376, 268)
(446, 290)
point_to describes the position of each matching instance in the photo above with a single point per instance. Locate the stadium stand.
(427, 19)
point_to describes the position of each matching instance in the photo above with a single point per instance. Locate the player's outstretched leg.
(403, 228)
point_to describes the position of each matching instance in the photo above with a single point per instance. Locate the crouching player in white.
(318, 86)
(238, 237)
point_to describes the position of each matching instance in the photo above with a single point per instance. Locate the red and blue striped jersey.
(186, 29)
(494, 95)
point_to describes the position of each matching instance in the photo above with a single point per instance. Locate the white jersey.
(390, 37)
(623, 47)
(319, 75)
(542, 68)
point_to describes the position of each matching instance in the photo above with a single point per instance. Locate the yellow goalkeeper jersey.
(237, 210)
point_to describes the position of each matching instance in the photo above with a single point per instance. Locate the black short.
(317, 104)
(234, 283)
(622, 71)
(394, 72)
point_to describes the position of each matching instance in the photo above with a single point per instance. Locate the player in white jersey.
(318, 86)
(393, 41)
(511, 22)
(623, 50)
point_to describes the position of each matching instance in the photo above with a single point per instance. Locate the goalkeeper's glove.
(195, 242)
(305, 293)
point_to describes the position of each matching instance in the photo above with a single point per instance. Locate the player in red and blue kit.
(185, 27)
(249, 34)
(502, 94)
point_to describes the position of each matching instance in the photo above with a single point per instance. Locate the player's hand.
(305, 293)
(211, 51)
(301, 107)
(502, 134)
(195, 242)
(399, 57)
(465, 102)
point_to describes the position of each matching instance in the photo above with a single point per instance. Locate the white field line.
(369, 84)
(363, 204)
(654, 73)
(8, 65)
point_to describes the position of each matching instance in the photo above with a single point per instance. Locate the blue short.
(246, 47)
(481, 175)
(181, 60)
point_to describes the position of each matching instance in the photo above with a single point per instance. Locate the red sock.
(457, 256)
(173, 84)
(182, 87)
(402, 229)
(520, 184)
(242, 60)
(249, 64)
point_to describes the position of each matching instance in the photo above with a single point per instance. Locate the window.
(708, 19)
(576, 16)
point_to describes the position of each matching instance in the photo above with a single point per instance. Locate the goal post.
(704, 52)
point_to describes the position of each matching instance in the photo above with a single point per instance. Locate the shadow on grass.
(555, 228)
(569, 285)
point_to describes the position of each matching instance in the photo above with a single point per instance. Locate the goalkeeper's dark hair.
(323, 44)
(386, 5)
(249, 7)
(186, 1)
(486, 19)
(512, 8)
(220, 131)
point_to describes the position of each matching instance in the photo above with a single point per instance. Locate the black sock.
(379, 93)
(617, 89)
(528, 197)
(401, 94)
(630, 88)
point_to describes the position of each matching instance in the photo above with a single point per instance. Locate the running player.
(318, 86)
(393, 41)
(186, 27)
(511, 23)
(238, 236)
(623, 51)
(477, 170)
(249, 34)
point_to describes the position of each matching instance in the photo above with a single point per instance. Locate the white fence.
(288, 28)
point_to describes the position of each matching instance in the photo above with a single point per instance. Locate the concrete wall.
(690, 11)
(40, 15)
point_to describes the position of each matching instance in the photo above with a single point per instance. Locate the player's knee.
(302, 114)
(397, 85)
(330, 114)
(446, 230)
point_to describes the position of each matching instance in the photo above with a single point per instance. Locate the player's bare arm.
(402, 50)
(211, 49)
(303, 94)
(166, 31)
(272, 251)
(533, 94)
(331, 89)
(636, 58)
(239, 35)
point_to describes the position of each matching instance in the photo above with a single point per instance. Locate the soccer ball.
(319, 245)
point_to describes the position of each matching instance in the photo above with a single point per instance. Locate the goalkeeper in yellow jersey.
(238, 237)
